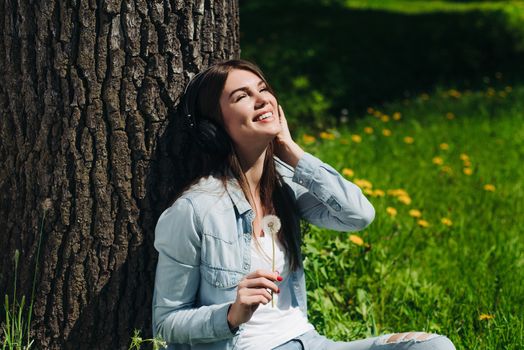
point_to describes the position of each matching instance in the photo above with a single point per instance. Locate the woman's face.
(249, 110)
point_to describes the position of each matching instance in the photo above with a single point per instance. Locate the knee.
(442, 342)
(421, 339)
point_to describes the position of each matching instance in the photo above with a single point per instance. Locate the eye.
(239, 97)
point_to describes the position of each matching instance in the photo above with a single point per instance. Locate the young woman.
(219, 284)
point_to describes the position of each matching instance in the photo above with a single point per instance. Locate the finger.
(249, 292)
(263, 273)
(281, 113)
(255, 299)
(261, 283)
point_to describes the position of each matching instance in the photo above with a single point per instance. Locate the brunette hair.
(193, 161)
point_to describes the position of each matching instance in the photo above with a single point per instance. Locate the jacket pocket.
(220, 278)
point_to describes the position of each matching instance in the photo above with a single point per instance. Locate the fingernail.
(278, 291)
(279, 278)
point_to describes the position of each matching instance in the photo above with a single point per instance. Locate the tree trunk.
(86, 95)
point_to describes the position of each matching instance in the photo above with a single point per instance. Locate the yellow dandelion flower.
(391, 211)
(503, 94)
(385, 118)
(377, 113)
(490, 92)
(378, 193)
(486, 317)
(404, 199)
(409, 140)
(348, 172)
(444, 146)
(454, 93)
(344, 141)
(356, 239)
(327, 135)
(356, 138)
(450, 116)
(438, 160)
(446, 221)
(423, 223)
(386, 132)
(489, 187)
(363, 183)
(397, 116)
(370, 110)
(464, 157)
(308, 138)
(446, 169)
(368, 130)
(415, 213)
(368, 191)
(424, 96)
(466, 163)
(397, 192)
(508, 89)
(468, 171)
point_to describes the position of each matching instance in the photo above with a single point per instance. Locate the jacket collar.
(236, 194)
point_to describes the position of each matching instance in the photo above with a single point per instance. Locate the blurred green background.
(330, 58)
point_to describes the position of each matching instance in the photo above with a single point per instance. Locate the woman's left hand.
(285, 148)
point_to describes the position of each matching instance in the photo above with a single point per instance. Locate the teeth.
(265, 116)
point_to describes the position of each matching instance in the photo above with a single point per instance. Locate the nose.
(261, 99)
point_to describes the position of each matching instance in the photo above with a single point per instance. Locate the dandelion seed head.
(47, 204)
(271, 224)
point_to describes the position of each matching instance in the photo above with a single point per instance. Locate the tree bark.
(86, 94)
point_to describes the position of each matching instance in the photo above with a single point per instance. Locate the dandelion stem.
(273, 267)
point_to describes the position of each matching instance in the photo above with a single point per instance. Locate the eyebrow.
(245, 88)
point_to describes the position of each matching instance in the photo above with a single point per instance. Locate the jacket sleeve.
(325, 198)
(176, 318)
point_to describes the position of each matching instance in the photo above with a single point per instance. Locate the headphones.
(210, 137)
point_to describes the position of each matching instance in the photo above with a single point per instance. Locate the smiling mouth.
(263, 116)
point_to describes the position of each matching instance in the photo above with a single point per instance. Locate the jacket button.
(217, 283)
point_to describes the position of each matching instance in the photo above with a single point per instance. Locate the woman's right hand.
(251, 292)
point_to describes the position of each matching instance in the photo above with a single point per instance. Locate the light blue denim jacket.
(204, 239)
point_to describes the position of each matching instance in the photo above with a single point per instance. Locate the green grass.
(438, 278)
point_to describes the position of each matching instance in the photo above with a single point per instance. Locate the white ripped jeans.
(399, 341)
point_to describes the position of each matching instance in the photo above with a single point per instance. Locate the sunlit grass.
(445, 252)
(425, 6)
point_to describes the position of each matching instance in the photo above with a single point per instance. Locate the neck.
(252, 164)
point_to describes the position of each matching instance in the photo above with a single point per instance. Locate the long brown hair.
(192, 158)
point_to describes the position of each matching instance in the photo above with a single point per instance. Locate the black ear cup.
(212, 138)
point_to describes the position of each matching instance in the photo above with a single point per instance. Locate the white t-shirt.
(272, 326)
